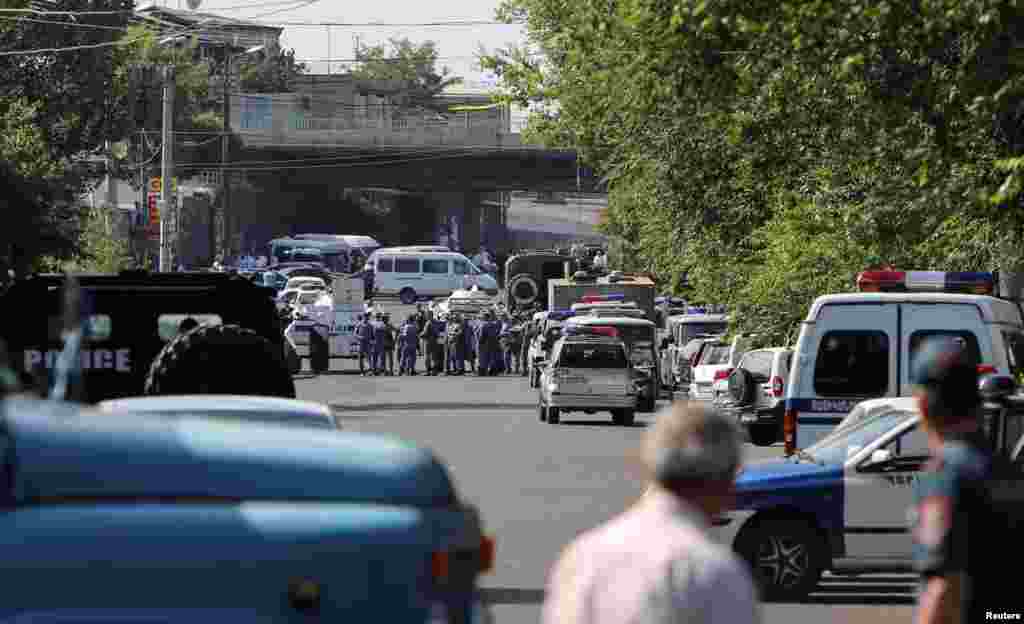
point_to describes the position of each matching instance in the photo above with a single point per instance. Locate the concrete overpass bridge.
(403, 178)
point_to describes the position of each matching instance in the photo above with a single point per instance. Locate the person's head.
(694, 452)
(946, 387)
(380, 316)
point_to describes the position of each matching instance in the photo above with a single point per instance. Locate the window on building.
(852, 364)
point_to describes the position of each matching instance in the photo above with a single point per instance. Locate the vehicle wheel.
(205, 361)
(542, 413)
(624, 417)
(553, 416)
(523, 289)
(763, 435)
(742, 386)
(786, 557)
(407, 296)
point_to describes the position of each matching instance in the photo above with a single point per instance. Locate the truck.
(562, 293)
(337, 324)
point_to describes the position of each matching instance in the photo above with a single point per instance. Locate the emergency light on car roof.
(926, 281)
(600, 298)
(590, 330)
(560, 315)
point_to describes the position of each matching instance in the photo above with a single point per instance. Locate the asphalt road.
(538, 486)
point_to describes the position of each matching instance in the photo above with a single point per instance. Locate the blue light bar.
(560, 315)
(980, 283)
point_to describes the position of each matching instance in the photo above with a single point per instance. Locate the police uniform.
(408, 342)
(364, 334)
(379, 337)
(456, 342)
(389, 345)
(956, 531)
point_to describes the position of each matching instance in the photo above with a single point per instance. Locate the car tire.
(554, 416)
(519, 283)
(205, 361)
(763, 435)
(786, 556)
(407, 296)
(624, 417)
(542, 413)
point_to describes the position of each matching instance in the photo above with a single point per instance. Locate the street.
(538, 486)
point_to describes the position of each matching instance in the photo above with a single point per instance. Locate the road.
(538, 486)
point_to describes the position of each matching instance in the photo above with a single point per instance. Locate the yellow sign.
(155, 185)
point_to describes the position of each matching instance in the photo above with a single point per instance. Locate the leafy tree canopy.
(271, 71)
(771, 150)
(413, 63)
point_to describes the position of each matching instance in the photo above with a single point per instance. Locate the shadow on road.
(887, 589)
(511, 596)
(600, 423)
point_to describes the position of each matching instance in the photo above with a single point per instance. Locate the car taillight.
(789, 431)
(986, 369)
(487, 551)
(777, 387)
(723, 374)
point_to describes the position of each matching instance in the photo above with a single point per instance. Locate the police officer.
(456, 341)
(957, 533)
(389, 345)
(431, 336)
(364, 334)
(421, 324)
(487, 345)
(529, 331)
(379, 336)
(408, 342)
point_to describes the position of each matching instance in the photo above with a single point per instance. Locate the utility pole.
(225, 150)
(167, 207)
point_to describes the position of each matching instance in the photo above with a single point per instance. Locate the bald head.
(692, 445)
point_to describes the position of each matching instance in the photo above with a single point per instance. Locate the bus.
(333, 255)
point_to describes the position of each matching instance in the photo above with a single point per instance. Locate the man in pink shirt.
(656, 562)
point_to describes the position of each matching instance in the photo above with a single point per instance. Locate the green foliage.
(771, 150)
(272, 71)
(99, 251)
(413, 63)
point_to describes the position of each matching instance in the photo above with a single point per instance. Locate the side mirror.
(996, 387)
(880, 456)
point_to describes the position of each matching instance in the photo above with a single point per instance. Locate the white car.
(717, 360)
(258, 409)
(842, 504)
(305, 282)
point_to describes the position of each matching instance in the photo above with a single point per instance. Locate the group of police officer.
(491, 344)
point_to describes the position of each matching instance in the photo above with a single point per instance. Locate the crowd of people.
(488, 344)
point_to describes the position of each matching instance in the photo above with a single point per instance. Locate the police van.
(859, 346)
(412, 275)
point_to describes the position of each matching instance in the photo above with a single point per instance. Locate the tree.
(272, 71)
(767, 149)
(99, 250)
(402, 60)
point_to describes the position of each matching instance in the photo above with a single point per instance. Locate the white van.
(860, 346)
(414, 274)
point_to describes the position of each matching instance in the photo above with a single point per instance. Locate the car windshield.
(592, 356)
(835, 448)
(715, 354)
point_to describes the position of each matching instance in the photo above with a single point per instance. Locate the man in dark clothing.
(432, 335)
(364, 334)
(389, 345)
(956, 531)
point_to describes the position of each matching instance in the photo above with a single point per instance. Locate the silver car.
(588, 373)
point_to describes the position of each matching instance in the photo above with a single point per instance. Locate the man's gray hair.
(691, 443)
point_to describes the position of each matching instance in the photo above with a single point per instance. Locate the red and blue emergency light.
(561, 315)
(977, 283)
(591, 330)
(600, 298)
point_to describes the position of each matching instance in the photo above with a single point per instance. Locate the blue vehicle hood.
(58, 451)
(775, 482)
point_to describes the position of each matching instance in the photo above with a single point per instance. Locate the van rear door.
(961, 322)
(849, 354)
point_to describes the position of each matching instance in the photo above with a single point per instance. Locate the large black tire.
(523, 289)
(207, 360)
(787, 557)
(742, 386)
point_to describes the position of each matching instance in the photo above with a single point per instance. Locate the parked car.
(757, 393)
(716, 361)
(229, 407)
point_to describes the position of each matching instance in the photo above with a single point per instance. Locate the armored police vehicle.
(135, 336)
